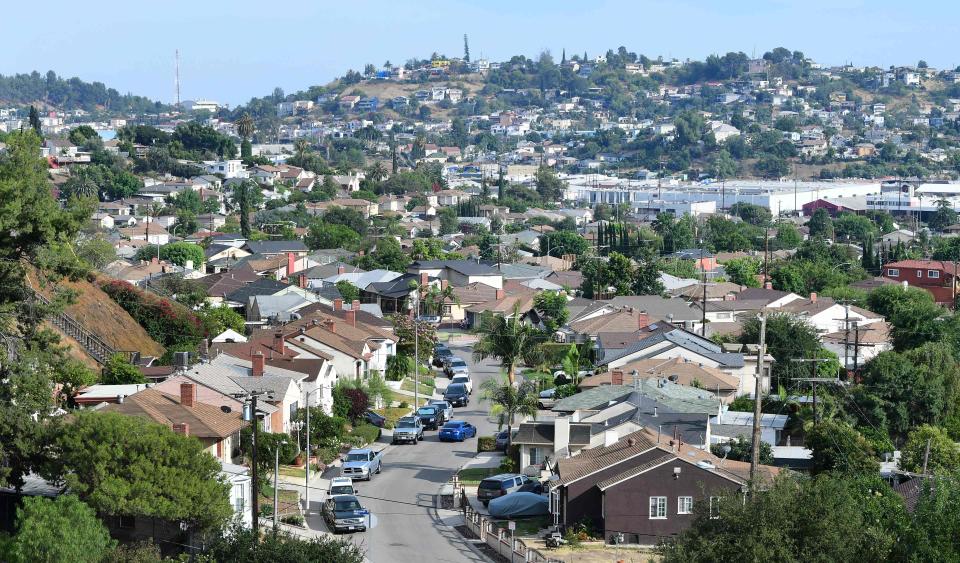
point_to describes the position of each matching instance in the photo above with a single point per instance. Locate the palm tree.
(438, 297)
(245, 126)
(508, 340)
(301, 146)
(508, 401)
(377, 172)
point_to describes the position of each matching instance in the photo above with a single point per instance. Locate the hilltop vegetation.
(70, 94)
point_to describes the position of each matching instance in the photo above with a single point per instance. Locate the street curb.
(471, 544)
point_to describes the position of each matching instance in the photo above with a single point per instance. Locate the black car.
(374, 419)
(440, 353)
(429, 417)
(457, 395)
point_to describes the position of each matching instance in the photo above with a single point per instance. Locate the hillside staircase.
(92, 344)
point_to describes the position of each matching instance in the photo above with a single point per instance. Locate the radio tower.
(176, 78)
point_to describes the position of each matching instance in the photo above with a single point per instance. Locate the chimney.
(154, 260)
(355, 305)
(341, 269)
(351, 317)
(302, 281)
(730, 297)
(643, 320)
(561, 436)
(444, 284)
(188, 394)
(500, 294)
(256, 369)
(768, 285)
(181, 428)
(338, 304)
(616, 377)
(278, 343)
(813, 297)
(291, 263)
(331, 325)
(424, 278)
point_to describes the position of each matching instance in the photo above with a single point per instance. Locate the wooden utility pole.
(755, 445)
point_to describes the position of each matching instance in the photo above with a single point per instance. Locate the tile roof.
(677, 370)
(942, 265)
(596, 459)
(636, 470)
(205, 421)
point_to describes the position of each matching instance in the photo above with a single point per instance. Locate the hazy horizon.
(232, 52)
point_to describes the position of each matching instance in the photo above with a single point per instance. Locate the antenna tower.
(176, 78)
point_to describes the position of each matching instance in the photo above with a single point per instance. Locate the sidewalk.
(481, 460)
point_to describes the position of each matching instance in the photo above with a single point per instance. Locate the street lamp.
(306, 483)
(414, 306)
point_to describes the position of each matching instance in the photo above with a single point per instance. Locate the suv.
(464, 379)
(440, 354)
(499, 485)
(408, 429)
(341, 486)
(429, 417)
(457, 395)
(344, 513)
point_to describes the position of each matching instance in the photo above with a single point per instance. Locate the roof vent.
(631, 442)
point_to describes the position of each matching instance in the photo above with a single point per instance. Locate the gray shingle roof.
(465, 267)
(275, 246)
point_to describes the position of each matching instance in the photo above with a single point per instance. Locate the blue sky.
(231, 51)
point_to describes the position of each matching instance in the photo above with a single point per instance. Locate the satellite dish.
(226, 409)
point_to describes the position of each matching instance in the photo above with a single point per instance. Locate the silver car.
(445, 408)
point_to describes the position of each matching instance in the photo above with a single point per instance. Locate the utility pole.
(813, 379)
(276, 490)
(755, 444)
(255, 484)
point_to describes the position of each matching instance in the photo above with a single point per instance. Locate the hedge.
(486, 444)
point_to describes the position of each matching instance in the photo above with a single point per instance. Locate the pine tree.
(466, 49)
(34, 119)
(563, 58)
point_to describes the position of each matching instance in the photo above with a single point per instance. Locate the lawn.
(526, 526)
(426, 386)
(473, 475)
(291, 471)
(288, 501)
(392, 414)
(394, 397)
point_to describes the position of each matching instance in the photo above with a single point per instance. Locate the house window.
(933, 273)
(714, 508)
(919, 273)
(239, 501)
(447, 310)
(536, 456)
(893, 272)
(658, 508)
(684, 505)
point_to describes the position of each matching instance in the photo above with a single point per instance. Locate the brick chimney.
(331, 325)
(279, 343)
(355, 305)
(616, 377)
(256, 369)
(351, 317)
(188, 394)
(768, 285)
(444, 284)
(643, 320)
(813, 297)
(341, 269)
(302, 281)
(291, 263)
(500, 294)
(424, 278)
(181, 428)
(338, 304)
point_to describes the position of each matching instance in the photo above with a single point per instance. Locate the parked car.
(457, 366)
(429, 417)
(457, 431)
(502, 440)
(500, 485)
(408, 429)
(361, 463)
(546, 398)
(440, 353)
(532, 486)
(445, 409)
(429, 319)
(464, 379)
(341, 486)
(374, 419)
(344, 513)
(457, 395)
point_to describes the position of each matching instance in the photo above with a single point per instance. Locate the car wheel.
(379, 467)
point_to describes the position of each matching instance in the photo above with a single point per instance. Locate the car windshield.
(427, 410)
(341, 490)
(406, 424)
(458, 363)
(347, 504)
(357, 457)
(453, 425)
(456, 388)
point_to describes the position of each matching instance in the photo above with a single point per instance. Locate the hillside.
(51, 90)
(98, 313)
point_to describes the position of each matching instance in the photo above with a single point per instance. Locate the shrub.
(564, 391)
(365, 434)
(293, 519)
(166, 321)
(397, 367)
(486, 443)
(404, 405)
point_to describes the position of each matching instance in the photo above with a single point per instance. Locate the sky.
(231, 51)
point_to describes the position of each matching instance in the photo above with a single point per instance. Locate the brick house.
(936, 276)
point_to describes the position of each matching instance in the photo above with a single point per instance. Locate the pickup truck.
(343, 513)
(361, 464)
(408, 429)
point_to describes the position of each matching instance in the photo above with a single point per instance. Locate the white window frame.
(684, 505)
(893, 272)
(536, 456)
(714, 508)
(933, 274)
(919, 273)
(658, 506)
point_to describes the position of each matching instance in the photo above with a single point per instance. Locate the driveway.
(405, 526)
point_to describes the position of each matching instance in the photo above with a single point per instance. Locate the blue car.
(457, 431)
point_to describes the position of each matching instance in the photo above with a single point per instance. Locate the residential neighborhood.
(559, 308)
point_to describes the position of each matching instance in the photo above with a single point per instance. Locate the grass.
(527, 526)
(473, 475)
(394, 397)
(392, 414)
(426, 385)
(286, 500)
(291, 471)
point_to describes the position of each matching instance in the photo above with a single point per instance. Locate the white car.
(463, 378)
(341, 486)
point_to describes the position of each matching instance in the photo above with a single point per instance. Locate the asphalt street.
(401, 499)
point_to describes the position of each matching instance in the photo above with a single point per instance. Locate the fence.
(93, 344)
(502, 541)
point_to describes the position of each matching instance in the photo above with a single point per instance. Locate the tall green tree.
(55, 530)
(508, 401)
(821, 225)
(837, 446)
(34, 120)
(508, 340)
